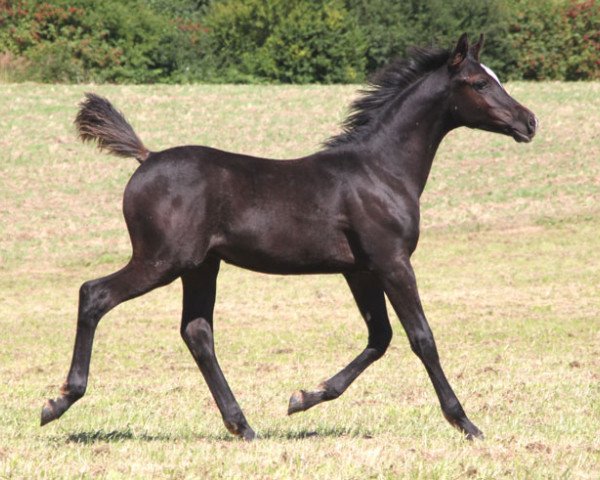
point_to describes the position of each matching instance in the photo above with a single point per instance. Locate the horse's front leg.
(400, 286)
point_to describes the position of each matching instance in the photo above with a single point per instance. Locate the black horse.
(351, 208)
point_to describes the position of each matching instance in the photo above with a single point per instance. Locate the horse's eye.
(480, 85)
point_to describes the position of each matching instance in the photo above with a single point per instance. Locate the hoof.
(469, 430)
(248, 435)
(476, 434)
(48, 412)
(243, 431)
(296, 403)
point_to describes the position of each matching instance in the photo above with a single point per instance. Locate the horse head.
(478, 99)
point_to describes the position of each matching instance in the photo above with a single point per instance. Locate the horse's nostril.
(532, 123)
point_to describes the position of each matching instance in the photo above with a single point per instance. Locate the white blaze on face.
(491, 73)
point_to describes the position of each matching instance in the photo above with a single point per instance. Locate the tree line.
(285, 41)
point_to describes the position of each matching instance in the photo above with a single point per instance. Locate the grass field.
(508, 269)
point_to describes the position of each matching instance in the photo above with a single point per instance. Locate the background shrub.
(102, 41)
(555, 40)
(299, 41)
(539, 34)
(294, 42)
(583, 60)
(391, 27)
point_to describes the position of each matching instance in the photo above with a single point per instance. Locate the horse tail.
(99, 121)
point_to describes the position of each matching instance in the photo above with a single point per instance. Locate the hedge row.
(299, 41)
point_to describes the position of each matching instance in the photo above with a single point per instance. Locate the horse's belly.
(290, 252)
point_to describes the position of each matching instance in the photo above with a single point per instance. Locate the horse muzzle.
(524, 128)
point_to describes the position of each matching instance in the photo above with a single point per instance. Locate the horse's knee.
(197, 330)
(423, 345)
(198, 335)
(94, 301)
(89, 311)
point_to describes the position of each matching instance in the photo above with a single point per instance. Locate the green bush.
(583, 59)
(542, 39)
(315, 43)
(385, 28)
(538, 35)
(391, 27)
(556, 40)
(103, 41)
(299, 41)
(294, 42)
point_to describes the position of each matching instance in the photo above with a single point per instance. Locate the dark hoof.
(48, 412)
(248, 435)
(475, 434)
(465, 425)
(470, 430)
(241, 430)
(296, 402)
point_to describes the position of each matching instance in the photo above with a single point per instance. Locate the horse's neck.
(407, 143)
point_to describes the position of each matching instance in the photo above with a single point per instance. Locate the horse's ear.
(476, 49)
(460, 52)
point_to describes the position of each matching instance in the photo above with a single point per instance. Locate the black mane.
(383, 87)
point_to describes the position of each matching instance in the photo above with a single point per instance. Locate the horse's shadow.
(114, 436)
(127, 434)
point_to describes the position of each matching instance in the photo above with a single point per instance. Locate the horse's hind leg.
(370, 299)
(96, 298)
(199, 290)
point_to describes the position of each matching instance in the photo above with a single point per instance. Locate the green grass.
(507, 266)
